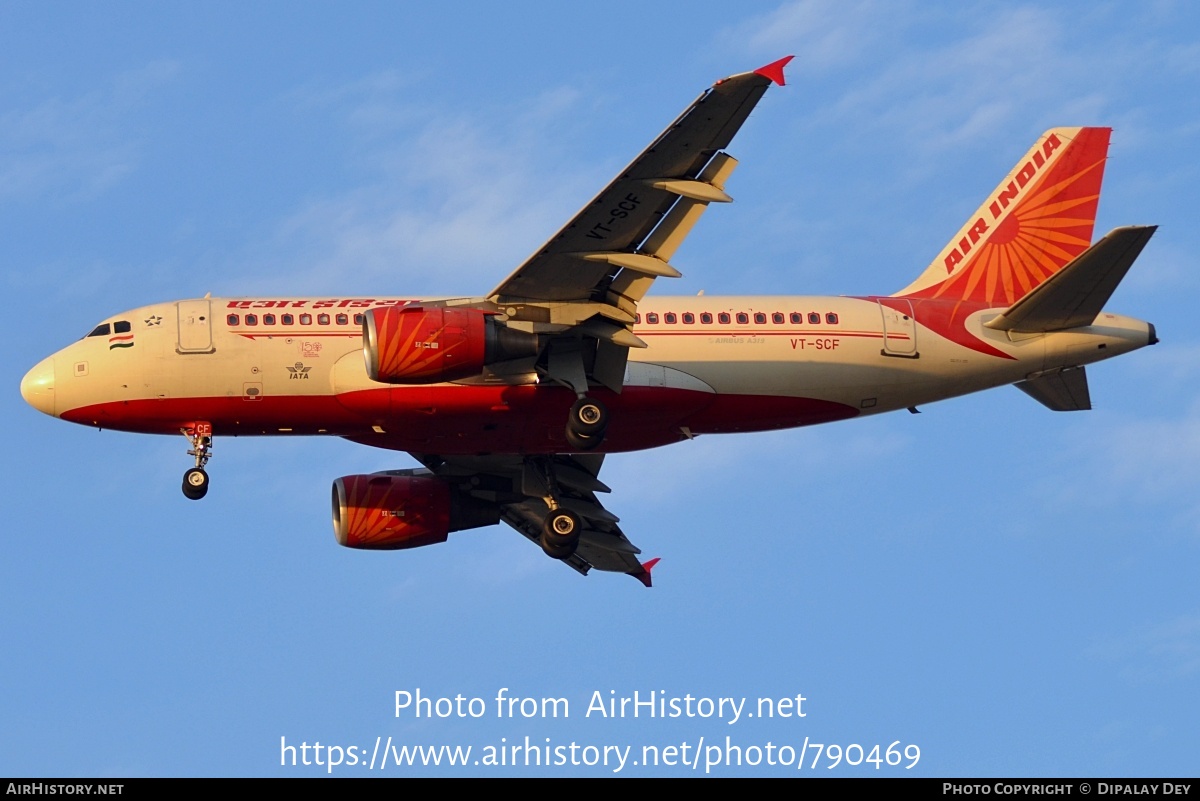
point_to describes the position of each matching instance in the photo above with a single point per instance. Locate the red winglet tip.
(644, 576)
(774, 70)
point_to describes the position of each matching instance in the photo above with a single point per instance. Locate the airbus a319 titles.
(510, 399)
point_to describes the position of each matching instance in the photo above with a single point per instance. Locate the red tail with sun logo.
(1038, 220)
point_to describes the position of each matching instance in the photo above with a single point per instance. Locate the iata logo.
(299, 372)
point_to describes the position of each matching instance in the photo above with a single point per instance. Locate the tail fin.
(1036, 221)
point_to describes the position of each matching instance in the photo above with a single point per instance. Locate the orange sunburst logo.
(1033, 226)
(417, 344)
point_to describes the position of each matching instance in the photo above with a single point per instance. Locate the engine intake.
(430, 344)
(392, 511)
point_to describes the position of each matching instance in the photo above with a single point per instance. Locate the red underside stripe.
(465, 420)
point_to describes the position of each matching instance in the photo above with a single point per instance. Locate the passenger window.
(743, 318)
(760, 318)
(814, 318)
(706, 318)
(652, 318)
(99, 331)
(268, 319)
(306, 319)
(797, 318)
(723, 317)
(251, 319)
(322, 319)
(358, 319)
(122, 327)
(287, 319)
(669, 318)
(232, 319)
(688, 318)
(343, 319)
(831, 318)
(777, 318)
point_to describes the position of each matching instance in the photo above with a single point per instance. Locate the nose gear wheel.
(195, 480)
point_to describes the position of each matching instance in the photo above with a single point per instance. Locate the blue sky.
(1010, 589)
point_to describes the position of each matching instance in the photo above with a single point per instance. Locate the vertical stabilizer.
(1036, 221)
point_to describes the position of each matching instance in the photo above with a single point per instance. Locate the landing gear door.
(899, 328)
(195, 326)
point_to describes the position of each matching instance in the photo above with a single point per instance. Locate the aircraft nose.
(37, 387)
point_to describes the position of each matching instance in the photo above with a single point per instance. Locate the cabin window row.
(743, 318)
(290, 319)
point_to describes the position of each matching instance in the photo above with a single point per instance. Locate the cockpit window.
(122, 327)
(99, 331)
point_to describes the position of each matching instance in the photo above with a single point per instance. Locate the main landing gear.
(586, 424)
(560, 533)
(195, 480)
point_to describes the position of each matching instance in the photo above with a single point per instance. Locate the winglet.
(644, 576)
(774, 70)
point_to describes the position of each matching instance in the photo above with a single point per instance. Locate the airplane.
(510, 400)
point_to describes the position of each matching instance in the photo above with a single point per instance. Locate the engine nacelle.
(383, 512)
(399, 510)
(429, 344)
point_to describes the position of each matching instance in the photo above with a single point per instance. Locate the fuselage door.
(899, 328)
(195, 326)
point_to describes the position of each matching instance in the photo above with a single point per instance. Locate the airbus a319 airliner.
(510, 399)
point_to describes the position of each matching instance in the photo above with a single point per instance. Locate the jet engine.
(430, 344)
(389, 511)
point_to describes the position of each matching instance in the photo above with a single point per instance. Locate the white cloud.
(822, 34)
(1164, 652)
(1123, 465)
(75, 148)
(945, 96)
(686, 469)
(982, 73)
(456, 200)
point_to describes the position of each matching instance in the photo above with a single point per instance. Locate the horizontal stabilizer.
(1060, 391)
(1074, 296)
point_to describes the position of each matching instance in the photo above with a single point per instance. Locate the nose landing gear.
(195, 480)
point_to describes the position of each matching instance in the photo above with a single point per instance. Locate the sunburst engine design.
(430, 344)
(390, 511)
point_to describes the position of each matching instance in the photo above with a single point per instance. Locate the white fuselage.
(295, 366)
